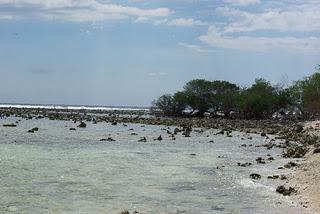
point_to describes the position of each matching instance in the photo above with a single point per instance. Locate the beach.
(52, 165)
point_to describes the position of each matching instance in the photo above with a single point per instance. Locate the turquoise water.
(56, 170)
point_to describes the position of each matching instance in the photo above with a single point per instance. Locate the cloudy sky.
(128, 52)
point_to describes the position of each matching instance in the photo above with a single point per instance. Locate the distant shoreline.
(71, 107)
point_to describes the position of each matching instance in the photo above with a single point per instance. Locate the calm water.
(57, 170)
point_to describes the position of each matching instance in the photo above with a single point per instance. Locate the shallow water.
(57, 170)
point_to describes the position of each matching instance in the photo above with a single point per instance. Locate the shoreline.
(300, 139)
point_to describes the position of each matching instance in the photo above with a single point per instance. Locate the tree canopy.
(260, 100)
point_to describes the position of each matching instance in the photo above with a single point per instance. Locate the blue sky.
(128, 52)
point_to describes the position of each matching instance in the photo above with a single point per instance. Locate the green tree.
(198, 94)
(170, 105)
(164, 104)
(306, 93)
(261, 100)
(225, 95)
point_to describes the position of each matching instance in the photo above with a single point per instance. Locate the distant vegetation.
(224, 99)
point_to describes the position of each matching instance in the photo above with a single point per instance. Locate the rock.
(260, 160)
(176, 131)
(144, 139)
(316, 150)
(125, 212)
(35, 129)
(244, 164)
(290, 165)
(133, 133)
(187, 132)
(273, 177)
(270, 159)
(283, 177)
(284, 191)
(295, 151)
(220, 132)
(9, 125)
(255, 176)
(82, 125)
(114, 123)
(72, 129)
(263, 134)
(109, 139)
(298, 128)
(159, 138)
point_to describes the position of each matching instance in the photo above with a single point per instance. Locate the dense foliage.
(260, 100)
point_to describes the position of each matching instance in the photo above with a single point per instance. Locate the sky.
(129, 52)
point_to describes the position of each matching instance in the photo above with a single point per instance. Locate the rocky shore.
(300, 139)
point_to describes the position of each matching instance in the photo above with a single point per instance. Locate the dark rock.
(244, 164)
(316, 150)
(284, 191)
(263, 134)
(260, 160)
(273, 177)
(298, 128)
(9, 125)
(290, 165)
(35, 129)
(82, 125)
(72, 129)
(144, 139)
(255, 176)
(109, 139)
(295, 151)
(283, 177)
(176, 131)
(159, 138)
(270, 159)
(220, 132)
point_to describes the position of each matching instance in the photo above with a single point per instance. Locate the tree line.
(225, 99)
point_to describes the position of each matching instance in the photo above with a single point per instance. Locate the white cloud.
(215, 38)
(79, 10)
(196, 48)
(295, 18)
(184, 22)
(242, 2)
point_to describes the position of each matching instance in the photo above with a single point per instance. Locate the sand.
(307, 177)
